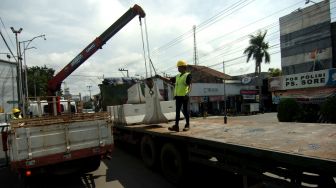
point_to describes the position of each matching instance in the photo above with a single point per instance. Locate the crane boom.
(55, 83)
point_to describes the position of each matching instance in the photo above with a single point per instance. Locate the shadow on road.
(10, 179)
(129, 171)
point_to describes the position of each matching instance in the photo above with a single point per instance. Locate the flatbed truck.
(279, 154)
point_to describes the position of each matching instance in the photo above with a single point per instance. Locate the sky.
(222, 32)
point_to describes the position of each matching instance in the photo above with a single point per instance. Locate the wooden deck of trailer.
(308, 145)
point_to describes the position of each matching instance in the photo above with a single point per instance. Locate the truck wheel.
(148, 151)
(172, 163)
(91, 164)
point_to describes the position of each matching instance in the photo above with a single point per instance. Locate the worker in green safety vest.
(16, 113)
(181, 93)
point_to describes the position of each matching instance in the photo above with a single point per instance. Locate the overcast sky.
(222, 29)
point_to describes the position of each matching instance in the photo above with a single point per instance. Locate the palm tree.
(258, 51)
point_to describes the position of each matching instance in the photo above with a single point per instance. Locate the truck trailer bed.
(44, 141)
(308, 146)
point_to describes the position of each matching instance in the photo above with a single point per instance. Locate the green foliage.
(88, 105)
(308, 113)
(289, 110)
(274, 72)
(38, 78)
(328, 109)
(113, 94)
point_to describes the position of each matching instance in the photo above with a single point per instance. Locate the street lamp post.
(89, 88)
(19, 66)
(309, 1)
(26, 47)
(91, 101)
(26, 69)
(124, 70)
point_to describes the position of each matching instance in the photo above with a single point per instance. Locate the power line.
(166, 70)
(232, 32)
(3, 38)
(219, 63)
(202, 25)
(240, 57)
(7, 33)
(232, 11)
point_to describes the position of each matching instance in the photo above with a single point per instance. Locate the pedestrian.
(16, 113)
(181, 94)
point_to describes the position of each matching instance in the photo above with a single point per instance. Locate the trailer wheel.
(90, 164)
(148, 151)
(172, 163)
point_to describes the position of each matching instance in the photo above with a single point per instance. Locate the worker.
(181, 94)
(16, 113)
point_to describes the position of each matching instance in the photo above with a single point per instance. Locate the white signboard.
(251, 97)
(309, 79)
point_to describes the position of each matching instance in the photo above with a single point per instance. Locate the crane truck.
(69, 142)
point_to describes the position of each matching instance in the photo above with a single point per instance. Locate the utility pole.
(195, 47)
(19, 72)
(89, 87)
(225, 118)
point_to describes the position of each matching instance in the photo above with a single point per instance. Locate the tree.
(38, 78)
(274, 72)
(258, 51)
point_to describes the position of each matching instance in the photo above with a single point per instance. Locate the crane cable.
(150, 60)
(143, 46)
(151, 66)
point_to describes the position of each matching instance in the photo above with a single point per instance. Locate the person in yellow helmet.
(16, 113)
(181, 93)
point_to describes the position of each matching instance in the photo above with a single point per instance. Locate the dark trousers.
(182, 101)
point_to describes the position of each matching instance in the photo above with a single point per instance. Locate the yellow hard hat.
(181, 63)
(15, 110)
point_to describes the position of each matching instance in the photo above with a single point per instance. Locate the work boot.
(186, 128)
(174, 128)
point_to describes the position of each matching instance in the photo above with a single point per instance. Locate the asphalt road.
(123, 170)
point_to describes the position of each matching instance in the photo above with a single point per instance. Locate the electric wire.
(278, 44)
(3, 38)
(190, 32)
(247, 25)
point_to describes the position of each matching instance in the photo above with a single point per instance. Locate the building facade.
(305, 40)
(8, 86)
(308, 40)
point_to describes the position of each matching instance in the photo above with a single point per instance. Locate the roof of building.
(209, 71)
(2, 61)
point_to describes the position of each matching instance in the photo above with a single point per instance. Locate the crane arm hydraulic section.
(55, 83)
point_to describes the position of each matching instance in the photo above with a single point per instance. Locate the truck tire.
(148, 151)
(91, 164)
(172, 163)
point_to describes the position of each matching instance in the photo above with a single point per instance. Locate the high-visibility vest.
(181, 87)
(14, 117)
